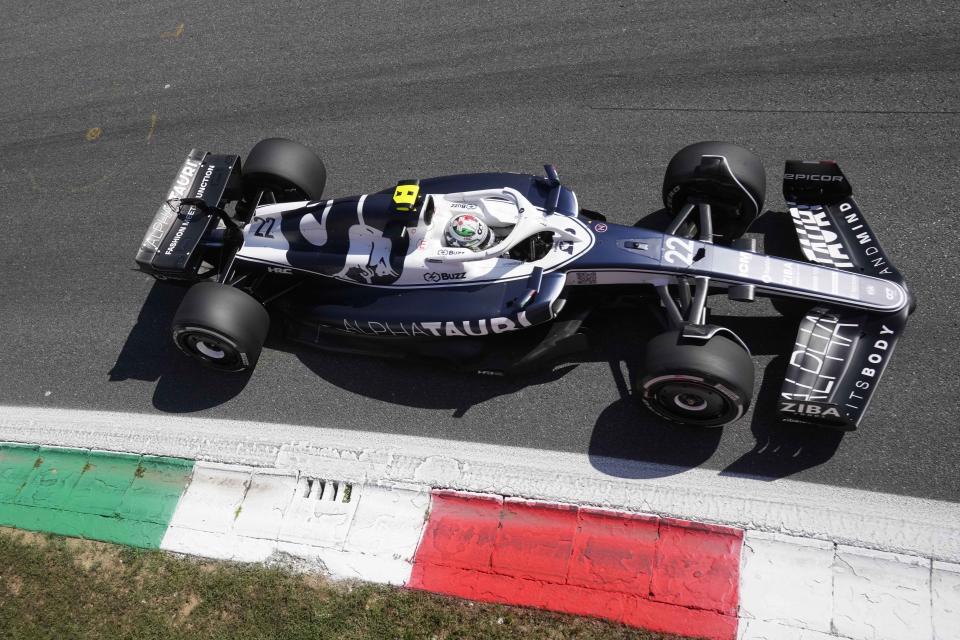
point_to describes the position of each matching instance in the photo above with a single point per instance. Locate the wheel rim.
(210, 348)
(691, 401)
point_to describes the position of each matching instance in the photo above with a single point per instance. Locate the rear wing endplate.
(169, 247)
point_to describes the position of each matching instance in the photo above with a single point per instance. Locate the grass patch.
(54, 587)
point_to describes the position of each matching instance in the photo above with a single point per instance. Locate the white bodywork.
(429, 262)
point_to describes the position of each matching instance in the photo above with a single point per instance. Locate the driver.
(469, 231)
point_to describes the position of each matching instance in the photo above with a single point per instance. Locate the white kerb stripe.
(245, 514)
(801, 589)
(787, 580)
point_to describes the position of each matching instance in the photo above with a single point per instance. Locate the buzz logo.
(433, 276)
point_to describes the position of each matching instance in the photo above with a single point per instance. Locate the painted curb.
(656, 573)
(644, 570)
(387, 515)
(899, 524)
(122, 498)
(246, 514)
(795, 588)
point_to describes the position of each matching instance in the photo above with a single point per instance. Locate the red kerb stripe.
(658, 573)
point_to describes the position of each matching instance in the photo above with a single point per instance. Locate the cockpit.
(478, 225)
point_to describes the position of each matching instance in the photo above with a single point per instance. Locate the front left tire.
(221, 327)
(729, 177)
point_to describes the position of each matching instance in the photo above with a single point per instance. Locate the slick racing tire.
(730, 178)
(288, 169)
(694, 383)
(222, 327)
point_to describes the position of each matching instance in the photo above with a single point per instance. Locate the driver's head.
(468, 231)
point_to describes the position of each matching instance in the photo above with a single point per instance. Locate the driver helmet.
(469, 231)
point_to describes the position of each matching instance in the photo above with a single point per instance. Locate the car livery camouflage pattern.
(376, 272)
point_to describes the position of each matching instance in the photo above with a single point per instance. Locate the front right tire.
(221, 327)
(703, 384)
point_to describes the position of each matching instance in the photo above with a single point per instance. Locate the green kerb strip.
(115, 497)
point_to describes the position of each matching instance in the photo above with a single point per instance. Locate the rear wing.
(170, 246)
(840, 353)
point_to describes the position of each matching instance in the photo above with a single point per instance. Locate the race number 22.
(678, 251)
(268, 222)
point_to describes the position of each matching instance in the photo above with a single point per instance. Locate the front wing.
(840, 353)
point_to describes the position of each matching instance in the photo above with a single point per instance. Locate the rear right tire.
(221, 327)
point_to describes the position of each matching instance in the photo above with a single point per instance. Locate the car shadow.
(656, 448)
(414, 382)
(148, 354)
(781, 448)
(431, 384)
(626, 441)
(630, 442)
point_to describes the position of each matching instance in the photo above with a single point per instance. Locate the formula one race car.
(497, 271)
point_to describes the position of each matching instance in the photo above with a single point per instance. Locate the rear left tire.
(286, 168)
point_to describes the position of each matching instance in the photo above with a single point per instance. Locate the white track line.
(928, 528)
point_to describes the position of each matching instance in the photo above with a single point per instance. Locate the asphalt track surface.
(100, 103)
